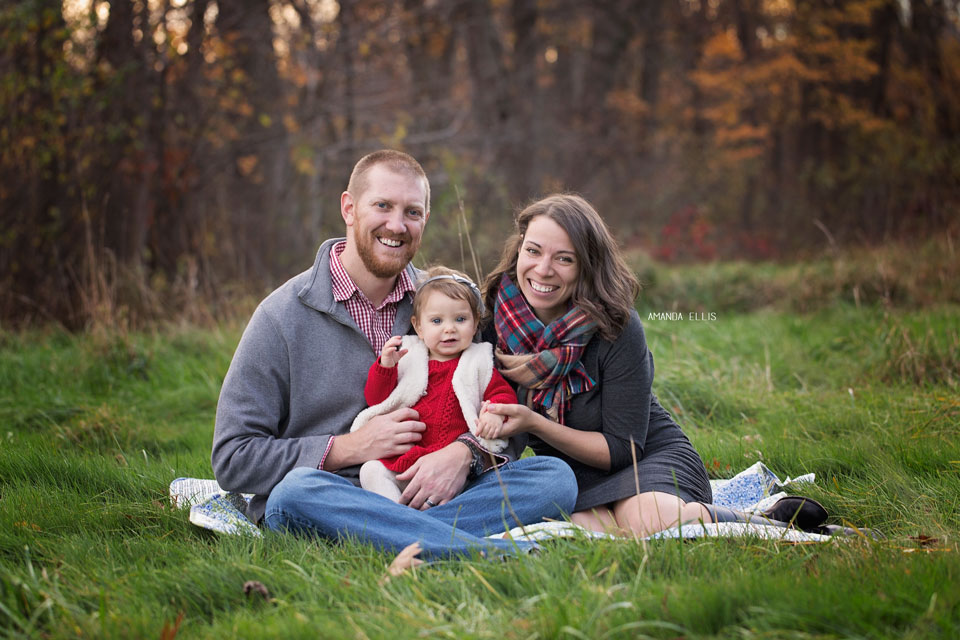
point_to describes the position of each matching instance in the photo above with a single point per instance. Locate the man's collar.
(344, 287)
(343, 284)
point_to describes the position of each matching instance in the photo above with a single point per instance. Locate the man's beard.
(377, 265)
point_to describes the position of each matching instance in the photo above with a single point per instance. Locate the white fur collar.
(470, 380)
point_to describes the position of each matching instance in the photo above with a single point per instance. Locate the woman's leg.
(600, 519)
(803, 513)
(654, 511)
(641, 515)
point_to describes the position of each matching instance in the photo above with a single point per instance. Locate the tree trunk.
(261, 146)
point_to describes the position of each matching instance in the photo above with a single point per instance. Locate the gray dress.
(622, 407)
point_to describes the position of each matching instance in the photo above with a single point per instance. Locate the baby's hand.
(488, 424)
(392, 353)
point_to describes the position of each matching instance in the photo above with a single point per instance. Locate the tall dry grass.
(896, 275)
(112, 298)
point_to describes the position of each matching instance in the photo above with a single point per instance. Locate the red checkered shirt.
(375, 322)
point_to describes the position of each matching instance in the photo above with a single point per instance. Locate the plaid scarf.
(543, 360)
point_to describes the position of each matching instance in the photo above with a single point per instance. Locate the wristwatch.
(476, 464)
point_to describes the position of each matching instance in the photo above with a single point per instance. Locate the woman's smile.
(542, 288)
(547, 268)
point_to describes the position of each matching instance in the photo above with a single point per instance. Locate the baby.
(440, 372)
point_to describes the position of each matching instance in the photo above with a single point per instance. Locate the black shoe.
(803, 513)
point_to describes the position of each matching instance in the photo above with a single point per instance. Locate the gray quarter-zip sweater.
(295, 380)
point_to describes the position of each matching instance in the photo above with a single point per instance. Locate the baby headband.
(459, 280)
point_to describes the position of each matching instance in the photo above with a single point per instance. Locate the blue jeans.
(315, 502)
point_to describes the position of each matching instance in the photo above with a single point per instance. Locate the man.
(296, 384)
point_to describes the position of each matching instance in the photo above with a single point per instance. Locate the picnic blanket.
(753, 490)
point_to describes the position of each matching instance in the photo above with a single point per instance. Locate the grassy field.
(94, 428)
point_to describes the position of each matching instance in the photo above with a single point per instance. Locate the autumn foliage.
(156, 154)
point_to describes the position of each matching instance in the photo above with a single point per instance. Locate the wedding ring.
(430, 503)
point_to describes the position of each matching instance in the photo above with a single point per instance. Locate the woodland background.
(159, 153)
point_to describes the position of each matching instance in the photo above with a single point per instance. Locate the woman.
(569, 338)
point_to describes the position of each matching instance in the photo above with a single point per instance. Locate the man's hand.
(391, 353)
(436, 477)
(388, 435)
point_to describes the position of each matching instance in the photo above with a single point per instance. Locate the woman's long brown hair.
(607, 288)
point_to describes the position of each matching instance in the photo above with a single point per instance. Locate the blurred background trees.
(154, 152)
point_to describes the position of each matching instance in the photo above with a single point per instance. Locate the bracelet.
(476, 464)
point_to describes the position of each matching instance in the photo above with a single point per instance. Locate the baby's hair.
(450, 283)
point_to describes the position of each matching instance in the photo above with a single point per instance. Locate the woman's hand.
(516, 418)
(488, 423)
(589, 447)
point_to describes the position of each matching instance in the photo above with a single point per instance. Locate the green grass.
(93, 429)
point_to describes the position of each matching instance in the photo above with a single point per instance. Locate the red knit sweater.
(438, 409)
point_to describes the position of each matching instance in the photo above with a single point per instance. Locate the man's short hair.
(396, 161)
